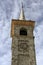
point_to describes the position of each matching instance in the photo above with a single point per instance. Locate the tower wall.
(23, 48)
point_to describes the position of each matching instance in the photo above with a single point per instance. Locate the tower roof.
(22, 16)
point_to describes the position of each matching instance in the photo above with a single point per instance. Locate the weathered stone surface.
(23, 50)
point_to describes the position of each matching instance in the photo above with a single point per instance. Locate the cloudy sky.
(9, 9)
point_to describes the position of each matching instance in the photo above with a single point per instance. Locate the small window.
(23, 31)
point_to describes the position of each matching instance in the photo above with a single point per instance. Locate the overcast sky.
(9, 9)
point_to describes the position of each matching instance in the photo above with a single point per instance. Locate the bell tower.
(23, 48)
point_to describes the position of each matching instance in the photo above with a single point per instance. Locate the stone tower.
(23, 48)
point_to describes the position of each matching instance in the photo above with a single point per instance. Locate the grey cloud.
(9, 9)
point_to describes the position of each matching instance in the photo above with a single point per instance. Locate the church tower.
(23, 48)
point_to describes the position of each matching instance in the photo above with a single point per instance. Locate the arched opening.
(23, 31)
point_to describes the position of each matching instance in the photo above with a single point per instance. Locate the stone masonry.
(23, 48)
